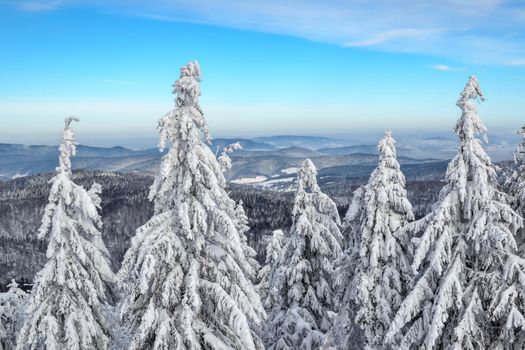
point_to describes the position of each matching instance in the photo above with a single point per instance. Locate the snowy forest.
(187, 260)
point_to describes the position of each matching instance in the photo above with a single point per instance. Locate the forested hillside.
(125, 207)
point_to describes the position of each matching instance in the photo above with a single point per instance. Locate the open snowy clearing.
(291, 170)
(249, 180)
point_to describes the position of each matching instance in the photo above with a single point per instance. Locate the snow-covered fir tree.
(67, 303)
(304, 298)
(375, 271)
(351, 224)
(184, 273)
(12, 306)
(273, 252)
(469, 290)
(519, 155)
(241, 222)
(516, 183)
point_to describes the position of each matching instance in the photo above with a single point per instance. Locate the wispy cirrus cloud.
(447, 68)
(517, 62)
(442, 67)
(480, 32)
(404, 33)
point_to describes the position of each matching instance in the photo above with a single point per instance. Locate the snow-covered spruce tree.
(66, 309)
(183, 274)
(351, 222)
(241, 220)
(469, 289)
(376, 268)
(273, 252)
(304, 307)
(12, 305)
(516, 183)
(519, 155)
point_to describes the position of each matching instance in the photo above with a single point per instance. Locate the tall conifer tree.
(184, 273)
(66, 308)
(302, 286)
(376, 271)
(469, 288)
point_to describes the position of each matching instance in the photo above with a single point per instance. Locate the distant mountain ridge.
(311, 142)
(21, 160)
(246, 144)
(349, 150)
(270, 157)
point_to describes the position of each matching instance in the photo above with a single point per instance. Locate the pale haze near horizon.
(401, 72)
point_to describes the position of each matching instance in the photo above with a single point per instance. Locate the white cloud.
(517, 62)
(464, 30)
(447, 68)
(405, 33)
(443, 67)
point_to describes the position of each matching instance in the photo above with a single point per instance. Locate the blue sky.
(274, 67)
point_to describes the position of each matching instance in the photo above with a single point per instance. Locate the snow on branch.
(224, 160)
